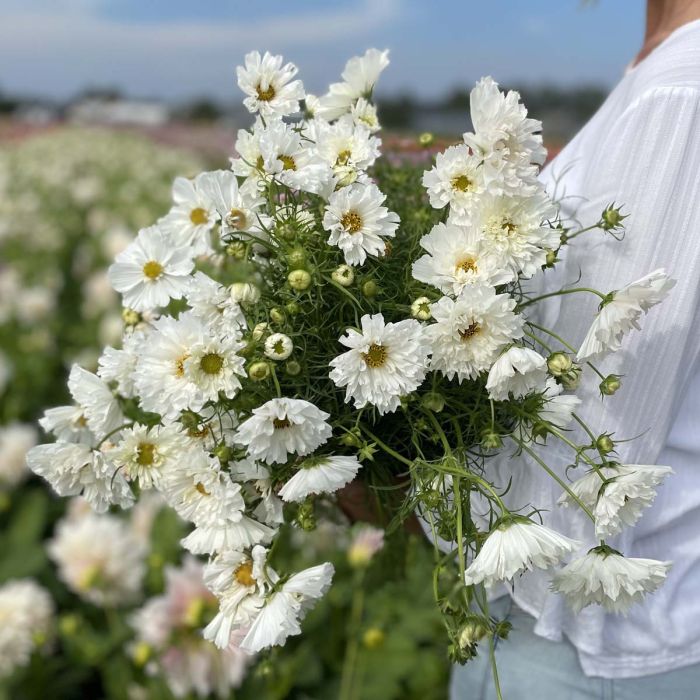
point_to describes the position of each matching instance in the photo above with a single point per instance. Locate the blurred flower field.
(104, 606)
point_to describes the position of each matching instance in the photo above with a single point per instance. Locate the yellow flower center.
(375, 356)
(470, 331)
(265, 94)
(467, 264)
(351, 221)
(199, 216)
(180, 366)
(244, 574)
(237, 219)
(211, 363)
(344, 157)
(288, 163)
(462, 183)
(146, 454)
(281, 423)
(152, 269)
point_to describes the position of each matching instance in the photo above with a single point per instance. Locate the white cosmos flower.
(193, 214)
(344, 144)
(27, 614)
(458, 256)
(515, 229)
(617, 494)
(151, 271)
(557, 408)
(278, 346)
(118, 365)
(515, 547)
(249, 163)
(67, 424)
(385, 362)
(75, 470)
(504, 137)
(456, 180)
(269, 86)
(281, 427)
(214, 367)
(517, 372)
(622, 313)
(470, 331)
(100, 408)
(212, 303)
(239, 581)
(319, 475)
(16, 439)
(284, 609)
(359, 77)
(605, 577)
(146, 454)
(99, 558)
(358, 222)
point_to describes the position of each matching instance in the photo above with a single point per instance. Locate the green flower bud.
(604, 444)
(259, 331)
(69, 625)
(559, 363)
(610, 385)
(426, 139)
(373, 638)
(292, 368)
(612, 217)
(277, 315)
(344, 275)
(433, 401)
(306, 518)
(471, 633)
(299, 280)
(223, 452)
(571, 380)
(296, 258)
(431, 499)
(550, 258)
(236, 250)
(352, 438)
(420, 309)
(491, 440)
(370, 289)
(259, 371)
(131, 317)
(292, 308)
(141, 653)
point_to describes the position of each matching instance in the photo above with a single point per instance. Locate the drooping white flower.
(16, 439)
(75, 470)
(119, 365)
(622, 312)
(617, 494)
(359, 77)
(284, 609)
(358, 222)
(193, 215)
(27, 612)
(67, 424)
(100, 408)
(319, 475)
(151, 271)
(146, 454)
(170, 625)
(508, 142)
(557, 408)
(514, 547)
(605, 577)
(458, 256)
(516, 230)
(385, 362)
(470, 331)
(269, 86)
(99, 558)
(212, 303)
(281, 427)
(456, 180)
(517, 372)
(278, 346)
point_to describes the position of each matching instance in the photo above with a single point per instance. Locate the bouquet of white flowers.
(285, 332)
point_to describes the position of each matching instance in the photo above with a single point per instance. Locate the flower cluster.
(283, 331)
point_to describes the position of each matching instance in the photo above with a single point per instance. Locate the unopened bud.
(306, 518)
(223, 452)
(426, 139)
(245, 293)
(259, 331)
(292, 368)
(296, 258)
(131, 317)
(236, 250)
(370, 289)
(604, 444)
(491, 440)
(612, 218)
(259, 371)
(433, 401)
(571, 379)
(292, 308)
(471, 633)
(550, 258)
(610, 385)
(277, 315)
(299, 280)
(373, 638)
(420, 309)
(344, 275)
(352, 438)
(559, 363)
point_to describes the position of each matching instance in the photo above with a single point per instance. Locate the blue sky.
(176, 49)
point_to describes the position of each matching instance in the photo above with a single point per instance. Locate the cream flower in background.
(617, 494)
(151, 271)
(385, 362)
(515, 547)
(458, 256)
(269, 85)
(281, 427)
(621, 313)
(359, 223)
(16, 439)
(319, 475)
(517, 372)
(469, 331)
(605, 577)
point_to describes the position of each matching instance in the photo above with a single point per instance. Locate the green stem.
(494, 668)
(561, 292)
(353, 645)
(385, 447)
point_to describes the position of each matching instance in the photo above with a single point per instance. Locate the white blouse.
(641, 149)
